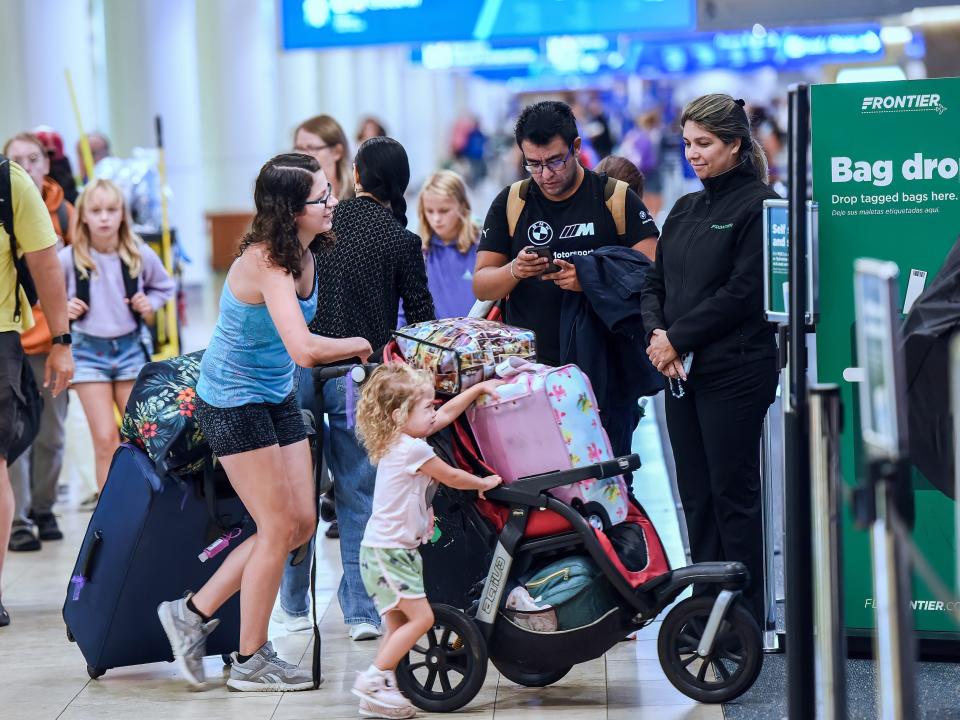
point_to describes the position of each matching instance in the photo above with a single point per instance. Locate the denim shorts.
(107, 359)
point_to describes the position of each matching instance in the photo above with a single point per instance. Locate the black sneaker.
(4, 616)
(47, 527)
(22, 539)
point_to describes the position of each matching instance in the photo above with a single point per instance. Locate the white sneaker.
(369, 709)
(364, 631)
(291, 623)
(378, 692)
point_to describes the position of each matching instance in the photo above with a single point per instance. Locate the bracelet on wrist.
(512, 273)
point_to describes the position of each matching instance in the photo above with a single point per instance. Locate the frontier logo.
(902, 103)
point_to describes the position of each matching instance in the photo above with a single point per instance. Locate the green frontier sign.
(886, 173)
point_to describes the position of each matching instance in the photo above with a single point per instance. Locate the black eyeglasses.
(551, 165)
(322, 200)
(309, 149)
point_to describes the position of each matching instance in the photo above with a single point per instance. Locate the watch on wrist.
(64, 339)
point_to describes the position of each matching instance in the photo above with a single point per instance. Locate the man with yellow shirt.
(36, 242)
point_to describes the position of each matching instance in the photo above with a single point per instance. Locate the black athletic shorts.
(250, 427)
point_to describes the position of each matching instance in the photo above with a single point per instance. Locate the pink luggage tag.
(218, 545)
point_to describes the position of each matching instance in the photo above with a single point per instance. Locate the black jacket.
(706, 287)
(601, 328)
(373, 264)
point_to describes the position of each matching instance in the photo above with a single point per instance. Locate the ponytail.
(384, 172)
(759, 159)
(398, 206)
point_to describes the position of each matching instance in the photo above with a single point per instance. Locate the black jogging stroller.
(709, 645)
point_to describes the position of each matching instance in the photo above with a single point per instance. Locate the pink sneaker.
(378, 691)
(371, 710)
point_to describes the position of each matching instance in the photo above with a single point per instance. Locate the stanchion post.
(797, 513)
(894, 642)
(829, 630)
(770, 472)
(955, 414)
(884, 428)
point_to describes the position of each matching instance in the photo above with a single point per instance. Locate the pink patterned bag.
(546, 419)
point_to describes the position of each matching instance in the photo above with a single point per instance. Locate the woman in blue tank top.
(248, 411)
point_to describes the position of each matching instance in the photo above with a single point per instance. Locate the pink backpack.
(546, 419)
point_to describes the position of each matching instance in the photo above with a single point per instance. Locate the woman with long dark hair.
(703, 310)
(247, 408)
(373, 265)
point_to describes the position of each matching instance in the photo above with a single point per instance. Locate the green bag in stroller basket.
(575, 588)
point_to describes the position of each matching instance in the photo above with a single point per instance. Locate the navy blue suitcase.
(141, 548)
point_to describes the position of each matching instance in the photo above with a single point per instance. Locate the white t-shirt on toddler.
(400, 516)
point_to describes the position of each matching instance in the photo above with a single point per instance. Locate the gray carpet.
(938, 691)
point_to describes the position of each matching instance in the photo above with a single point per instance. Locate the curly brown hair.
(282, 188)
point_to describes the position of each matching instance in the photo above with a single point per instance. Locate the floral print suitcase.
(546, 419)
(461, 352)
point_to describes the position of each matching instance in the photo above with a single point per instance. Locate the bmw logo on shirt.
(540, 233)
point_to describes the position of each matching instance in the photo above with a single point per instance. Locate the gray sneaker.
(266, 671)
(187, 634)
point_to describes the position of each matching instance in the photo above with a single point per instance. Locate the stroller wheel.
(528, 678)
(729, 671)
(446, 668)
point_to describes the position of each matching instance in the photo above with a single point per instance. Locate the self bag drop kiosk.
(886, 163)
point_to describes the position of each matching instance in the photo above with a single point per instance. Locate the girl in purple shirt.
(110, 340)
(450, 240)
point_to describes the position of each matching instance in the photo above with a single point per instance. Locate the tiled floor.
(42, 675)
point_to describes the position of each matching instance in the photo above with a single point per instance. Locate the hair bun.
(740, 101)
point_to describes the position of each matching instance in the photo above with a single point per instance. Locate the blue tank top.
(246, 361)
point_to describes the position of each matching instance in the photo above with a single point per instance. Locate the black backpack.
(6, 219)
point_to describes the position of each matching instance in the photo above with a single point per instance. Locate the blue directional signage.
(338, 23)
(662, 56)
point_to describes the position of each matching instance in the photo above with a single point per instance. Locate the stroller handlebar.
(358, 373)
(533, 485)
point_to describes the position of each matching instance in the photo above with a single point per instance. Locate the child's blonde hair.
(448, 184)
(385, 404)
(129, 248)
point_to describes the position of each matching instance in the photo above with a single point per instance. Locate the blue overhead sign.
(338, 23)
(592, 54)
(785, 48)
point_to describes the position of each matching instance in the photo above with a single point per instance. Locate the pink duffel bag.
(546, 419)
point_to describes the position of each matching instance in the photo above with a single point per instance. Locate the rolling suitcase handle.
(85, 566)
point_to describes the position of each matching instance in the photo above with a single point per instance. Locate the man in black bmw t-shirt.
(565, 211)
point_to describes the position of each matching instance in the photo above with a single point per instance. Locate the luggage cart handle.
(358, 373)
(526, 488)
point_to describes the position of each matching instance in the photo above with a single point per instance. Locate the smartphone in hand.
(545, 252)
